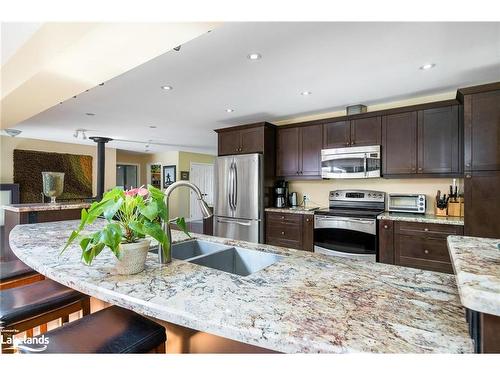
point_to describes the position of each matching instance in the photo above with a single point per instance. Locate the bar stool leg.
(7, 343)
(29, 333)
(64, 319)
(86, 306)
(43, 328)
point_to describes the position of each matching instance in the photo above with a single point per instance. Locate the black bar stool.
(26, 307)
(14, 273)
(112, 330)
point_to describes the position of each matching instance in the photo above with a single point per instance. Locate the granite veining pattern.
(288, 210)
(303, 303)
(476, 262)
(419, 218)
(30, 207)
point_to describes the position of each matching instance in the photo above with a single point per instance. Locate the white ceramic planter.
(132, 257)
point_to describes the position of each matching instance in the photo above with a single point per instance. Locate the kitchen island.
(302, 303)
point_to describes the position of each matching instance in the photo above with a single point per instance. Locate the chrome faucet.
(205, 211)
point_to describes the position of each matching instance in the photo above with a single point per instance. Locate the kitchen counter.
(31, 207)
(419, 218)
(476, 262)
(288, 210)
(303, 303)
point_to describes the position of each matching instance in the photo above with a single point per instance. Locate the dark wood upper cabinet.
(229, 142)
(287, 153)
(482, 131)
(482, 204)
(399, 143)
(336, 134)
(310, 150)
(366, 131)
(439, 140)
(245, 139)
(299, 151)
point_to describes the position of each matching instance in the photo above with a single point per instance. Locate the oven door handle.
(366, 165)
(348, 220)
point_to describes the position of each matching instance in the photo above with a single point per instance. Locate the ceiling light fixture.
(80, 134)
(305, 93)
(254, 56)
(13, 132)
(168, 88)
(229, 110)
(427, 66)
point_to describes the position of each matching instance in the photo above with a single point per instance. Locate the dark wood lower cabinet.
(417, 245)
(290, 230)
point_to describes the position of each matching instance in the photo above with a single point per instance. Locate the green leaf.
(155, 193)
(110, 211)
(181, 224)
(111, 236)
(71, 238)
(137, 226)
(154, 230)
(150, 211)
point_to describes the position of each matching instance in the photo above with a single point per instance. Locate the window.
(126, 176)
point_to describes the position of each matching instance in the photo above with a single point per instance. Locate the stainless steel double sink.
(231, 259)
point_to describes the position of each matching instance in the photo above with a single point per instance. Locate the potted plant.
(132, 217)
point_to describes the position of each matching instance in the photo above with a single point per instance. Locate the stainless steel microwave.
(351, 162)
(407, 203)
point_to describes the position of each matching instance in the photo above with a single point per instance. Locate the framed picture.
(185, 175)
(168, 175)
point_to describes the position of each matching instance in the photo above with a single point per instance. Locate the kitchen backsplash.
(318, 190)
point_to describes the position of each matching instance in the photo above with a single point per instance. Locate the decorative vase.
(132, 257)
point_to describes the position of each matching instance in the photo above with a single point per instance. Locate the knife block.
(454, 209)
(440, 212)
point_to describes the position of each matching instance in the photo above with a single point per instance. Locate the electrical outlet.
(306, 197)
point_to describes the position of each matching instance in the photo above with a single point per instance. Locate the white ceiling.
(14, 35)
(340, 63)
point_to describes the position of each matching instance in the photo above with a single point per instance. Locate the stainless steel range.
(349, 227)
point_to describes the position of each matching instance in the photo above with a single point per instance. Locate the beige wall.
(9, 144)
(185, 160)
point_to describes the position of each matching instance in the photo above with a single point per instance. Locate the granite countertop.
(421, 218)
(288, 210)
(30, 207)
(303, 303)
(476, 262)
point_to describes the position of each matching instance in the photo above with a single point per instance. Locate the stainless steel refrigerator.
(239, 205)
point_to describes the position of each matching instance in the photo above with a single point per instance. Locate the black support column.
(101, 162)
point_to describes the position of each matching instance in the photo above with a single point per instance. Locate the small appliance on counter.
(293, 200)
(413, 203)
(281, 194)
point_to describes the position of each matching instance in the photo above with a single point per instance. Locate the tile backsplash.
(318, 190)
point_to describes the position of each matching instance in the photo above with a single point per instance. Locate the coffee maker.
(281, 194)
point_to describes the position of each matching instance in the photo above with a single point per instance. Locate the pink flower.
(137, 191)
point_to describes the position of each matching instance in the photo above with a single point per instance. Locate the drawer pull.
(426, 251)
(282, 233)
(426, 229)
(282, 218)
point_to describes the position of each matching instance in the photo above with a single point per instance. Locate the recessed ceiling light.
(427, 66)
(168, 88)
(254, 56)
(305, 93)
(229, 110)
(90, 114)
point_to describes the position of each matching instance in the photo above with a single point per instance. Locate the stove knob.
(369, 195)
(336, 194)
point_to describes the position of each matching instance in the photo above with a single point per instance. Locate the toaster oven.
(414, 203)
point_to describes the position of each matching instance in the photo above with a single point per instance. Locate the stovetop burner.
(354, 203)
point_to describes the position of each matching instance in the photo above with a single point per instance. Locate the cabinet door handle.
(413, 169)
(426, 251)
(282, 218)
(353, 143)
(468, 176)
(426, 229)
(282, 233)
(420, 169)
(385, 227)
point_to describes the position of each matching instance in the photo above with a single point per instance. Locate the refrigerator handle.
(231, 183)
(235, 191)
(238, 222)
